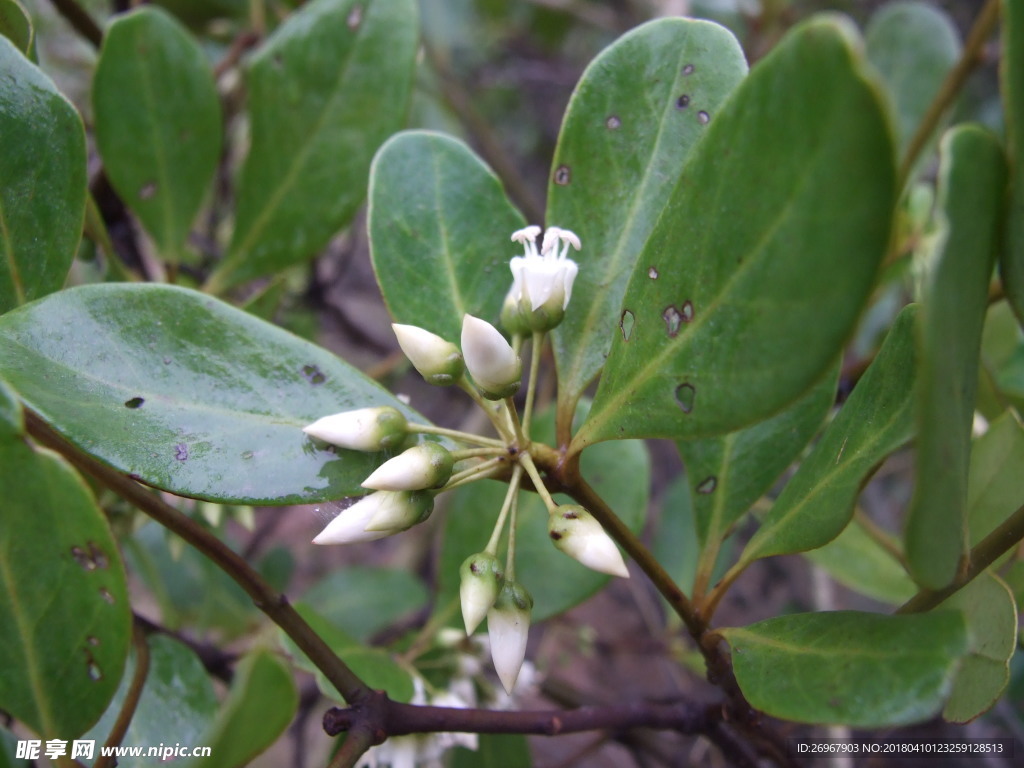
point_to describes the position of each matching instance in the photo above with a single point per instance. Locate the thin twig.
(131, 698)
(969, 59)
(80, 20)
(274, 604)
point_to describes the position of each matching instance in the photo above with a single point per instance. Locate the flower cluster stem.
(531, 387)
(455, 434)
(510, 502)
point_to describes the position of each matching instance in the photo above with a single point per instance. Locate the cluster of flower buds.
(404, 486)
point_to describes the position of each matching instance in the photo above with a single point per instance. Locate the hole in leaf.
(626, 324)
(135, 402)
(673, 319)
(708, 484)
(147, 191)
(703, 117)
(688, 69)
(652, 272)
(355, 17)
(686, 311)
(106, 595)
(683, 102)
(613, 123)
(563, 175)
(181, 452)
(247, 454)
(685, 395)
(313, 375)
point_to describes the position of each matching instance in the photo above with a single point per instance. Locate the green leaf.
(860, 563)
(16, 26)
(619, 472)
(991, 614)
(913, 45)
(325, 90)
(261, 704)
(42, 197)
(362, 600)
(158, 122)
(1011, 65)
(676, 545)
(9, 751)
(177, 699)
(372, 665)
(186, 393)
(995, 486)
(63, 598)
(849, 668)
(1001, 374)
(817, 502)
(439, 227)
(972, 178)
(728, 474)
(495, 750)
(764, 261)
(630, 125)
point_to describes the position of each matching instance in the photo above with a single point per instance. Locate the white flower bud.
(508, 625)
(438, 361)
(481, 577)
(428, 465)
(400, 510)
(512, 318)
(494, 365)
(365, 429)
(580, 536)
(353, 524)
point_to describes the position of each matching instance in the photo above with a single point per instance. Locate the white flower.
(376, 516)
(437, 360)
(508, 626)
(580, 536)
(427, 465)
(481, 577)
(492, 362)
(365, 429)
(542, 282)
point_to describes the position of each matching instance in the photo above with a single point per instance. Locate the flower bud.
(353, 525)
(494, 365)
(364, 429)
(512, 318)
(481, 576)
(399, 510)
(580, 536)
(438, 361)
(428, 465)
(508, 625)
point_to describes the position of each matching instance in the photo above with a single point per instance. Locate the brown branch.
(274, 604)
(396, 719)
(131, 698)
(80, 20)
(987, 551)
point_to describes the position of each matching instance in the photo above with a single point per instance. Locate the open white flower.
(490, 359)
(542, 282)
(378, 515)
(364, 429)
(580, 536)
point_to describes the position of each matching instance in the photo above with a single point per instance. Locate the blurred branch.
(461, 103)
(80, 20)
(274, 604)
(131, 698)
(599, 16)
(969, 59)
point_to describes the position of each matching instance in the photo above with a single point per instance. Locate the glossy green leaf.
(859, 562)
(763, 260)
(158, 122)
(913, 45)
(878, 418)
(372, 665)
(991, 614)
(845, 667)
(362, 600)
(972, 176)
(1011, 70)
(63, 598)
(619, 472)
(16, 26)
(995, 484)
(495, 750)
(177, 702)
(42, 181)
(325, 90)
(728, 474)
(261, 704)
(186, 393)
(631, 123)
(439, 227)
